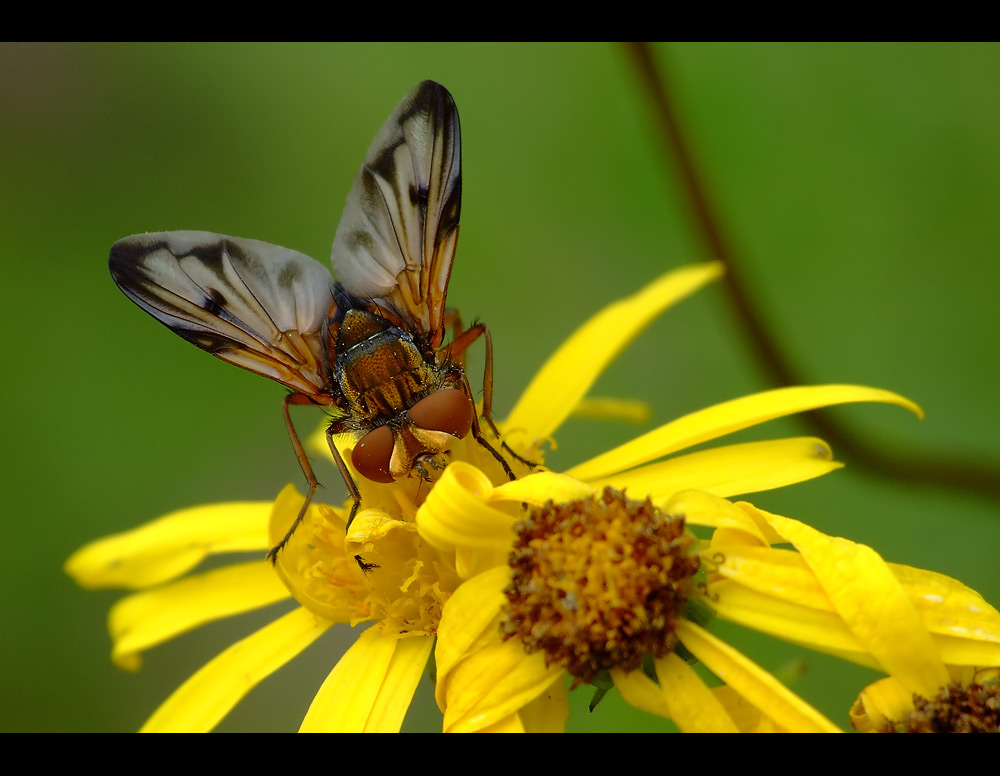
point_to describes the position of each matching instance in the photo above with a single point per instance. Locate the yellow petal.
(961, 651)
(495, 682)
(774, 591)
(509, 724)
(371, 687)
(456, 513)
(605, 408)
(752, 682)
(700, 508)
(285, 510)
(541, 487)
(407, 667)
(879, 704)
(549, 712)
(469, 620)
(470, 562)
(314, 564)
(551, 397)
(780, 573)
(642, 692)
(864, 592)
(681, 696)
(725, 418)
(205, 698)
(731, 470)
(788, 619)
(965, 627)
(142, 620)
(316, 442)
(171, 545)
(747, 717)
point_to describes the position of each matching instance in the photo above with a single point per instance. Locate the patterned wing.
(396, 239)
(262, 307)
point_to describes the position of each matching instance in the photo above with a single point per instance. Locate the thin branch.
(953, 471)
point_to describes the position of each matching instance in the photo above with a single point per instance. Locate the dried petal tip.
(598, 583)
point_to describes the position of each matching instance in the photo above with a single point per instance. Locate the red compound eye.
(371, 455)
(449, 410)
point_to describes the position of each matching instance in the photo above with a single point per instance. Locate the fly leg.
(332, 429)
(456, 350)
(478, 433)
(307, 470)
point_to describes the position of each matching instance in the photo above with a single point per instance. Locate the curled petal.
(879, 704)
(456, 512)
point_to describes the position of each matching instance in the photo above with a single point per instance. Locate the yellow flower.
(967, 704)
(940, 645)
(443, 580)
(828, 594)
(936, 638)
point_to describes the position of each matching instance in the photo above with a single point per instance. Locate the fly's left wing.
(396, 240)
(259, 306)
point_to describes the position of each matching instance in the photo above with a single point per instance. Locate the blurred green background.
(860, 184)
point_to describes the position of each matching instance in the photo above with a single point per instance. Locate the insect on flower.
(370, 346)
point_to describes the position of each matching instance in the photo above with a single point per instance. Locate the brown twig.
(954, 471)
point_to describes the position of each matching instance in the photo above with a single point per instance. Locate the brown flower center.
(598, 583)
(958, 708)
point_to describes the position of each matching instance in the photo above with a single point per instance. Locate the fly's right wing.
(259, 306)
(396, 240)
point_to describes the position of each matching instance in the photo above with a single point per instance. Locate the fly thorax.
(380, 368)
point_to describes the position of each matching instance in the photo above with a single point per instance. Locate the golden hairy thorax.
(380, 369)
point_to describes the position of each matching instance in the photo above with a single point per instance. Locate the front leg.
(456, 352)
(331, 430)
(307, 470)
